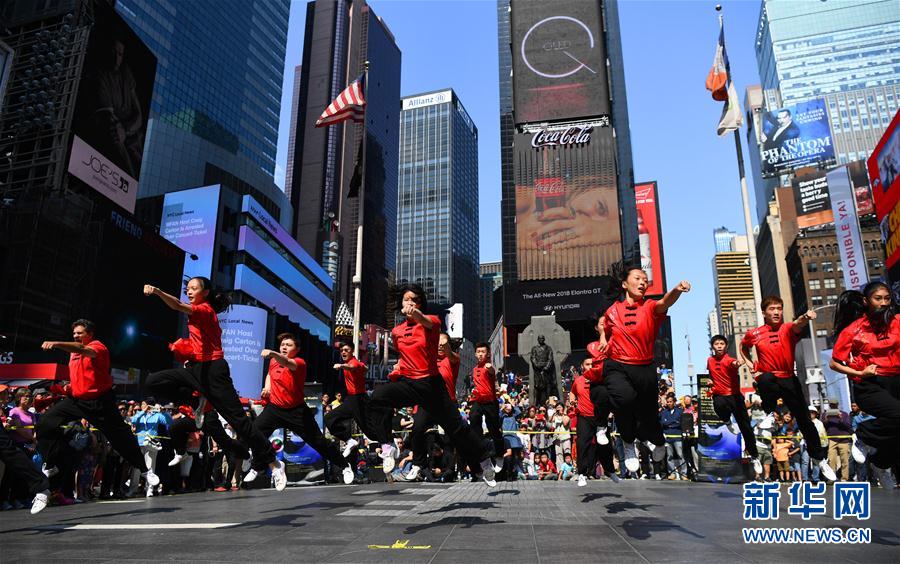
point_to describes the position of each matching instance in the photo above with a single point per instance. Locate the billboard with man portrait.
(559, 60)
(794, 137)
(112, 109)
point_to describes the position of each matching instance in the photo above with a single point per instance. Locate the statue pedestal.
(559, 342)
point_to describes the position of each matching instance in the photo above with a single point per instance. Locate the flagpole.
(745, 199)
(357, 276)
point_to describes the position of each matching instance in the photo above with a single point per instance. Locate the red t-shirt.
(449, 372)
(286, 385)
(593, 350)
(595, 373)
(774, 348)
(631, 331)
(90, 377)
(867, 347)
(205, 333)
(355, 377)
(485, 384)
(417, 347)
(581, 387)
(724, 374)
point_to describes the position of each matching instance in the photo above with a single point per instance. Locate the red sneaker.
(234, 488)
(220, 489)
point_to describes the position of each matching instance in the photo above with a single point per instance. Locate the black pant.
(725, 407)
(634, 399)
(880, 396)
(589, 450)
(19, 465)
(430, 394)
(421, 446)
(600, 399)
(101, 413)
(339, 420)
(771, 387)
(213, 380)
(212, 427)
(490, 412)
(302, 421)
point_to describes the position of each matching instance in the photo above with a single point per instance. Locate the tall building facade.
(564, 144)
(731, 274)
(340, 37)
(215, 108)
(724, 239)
(437, 204)
(491, 280)
(292, 139)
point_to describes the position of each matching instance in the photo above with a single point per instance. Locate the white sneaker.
(49, 472)
(149, 492)
(314, 474)
(582, 480)
(176, 460)
(245, 465)
(413, 474)
(826, 470)
(498, 467)
(348, 474)
(198, 413)
(632, 464)
(658, 452)
(757, 466)
(250, 475)
(487, 472)
(657, 477)
(39, 502)
(387, 458)
(151, 477)
(733, 428)
(279, 476)
(861, 451)
(351, 444)
(602, 439)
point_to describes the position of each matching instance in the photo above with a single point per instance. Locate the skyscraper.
(437, 205)
(215, 107)
(340, 37)
(724, 239)
(564, 143)
(731, 274)
(292, 138)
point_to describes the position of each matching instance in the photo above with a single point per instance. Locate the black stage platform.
(516, 522)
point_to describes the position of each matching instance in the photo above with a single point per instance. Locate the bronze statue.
(543, 371)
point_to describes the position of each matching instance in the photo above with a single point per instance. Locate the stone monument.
(545, 346)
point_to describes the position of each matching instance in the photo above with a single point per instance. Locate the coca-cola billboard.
(570, 136)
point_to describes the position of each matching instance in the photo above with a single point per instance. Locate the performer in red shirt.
(774, 372)
(628, 330)
(417, 381)
(355, 404)
(599, 393)
(287, 409)
(484, 406)
(727, 398)
(88, 396)
(207, 370)
(448, 366)
(588, 425)
(867, 350)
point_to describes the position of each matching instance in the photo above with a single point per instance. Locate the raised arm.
(803, 321)
(69, 348)
(417, 316)
(667, 301)
(279, 358)
(171, 301)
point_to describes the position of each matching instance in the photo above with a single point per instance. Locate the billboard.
(569, 300)
(190, 221)
(846, 227)
(720, 449)
(884, 169)
(559, 60)
(650, 236)
(567, 208)
(794, 137)
(812, 198)
(113, 105)
(243, 337)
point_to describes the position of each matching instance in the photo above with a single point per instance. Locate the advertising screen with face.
(567, 208)
(794, 137)
(559, 60)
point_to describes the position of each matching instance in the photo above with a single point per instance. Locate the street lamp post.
(815, 350)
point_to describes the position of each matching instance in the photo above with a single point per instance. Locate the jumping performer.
(354, 406)
(629, 330)
(287, 406)
(727, 398)
(774, 372)
(599, 394)
(19, 465)
(589, 426)
(868, 351)
(448, 366)
(484, 400)
(417, 381)
(88, 396)
(207, 372)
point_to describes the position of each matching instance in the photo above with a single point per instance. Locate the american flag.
(350, 104)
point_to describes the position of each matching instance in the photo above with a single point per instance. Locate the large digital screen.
(650, 237)
(884, 169)
(559, 60)
(112, 109)
(567, 207)
(812, 198)
(794, 137)
(190, 221)
(243, 337)
(569, 300)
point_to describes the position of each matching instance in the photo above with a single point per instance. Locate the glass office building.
(437, 204)
(217, 96)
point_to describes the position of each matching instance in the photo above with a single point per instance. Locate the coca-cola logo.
(576, 135)
(106, 172)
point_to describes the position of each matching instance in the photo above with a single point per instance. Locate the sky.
(668, 48)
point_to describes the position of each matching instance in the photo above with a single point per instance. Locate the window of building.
(812, 267)
(831, 299)
(876, 264)
(817, 301)
(821, 332)
(829, 283)
(815, 284)
(827, 266)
